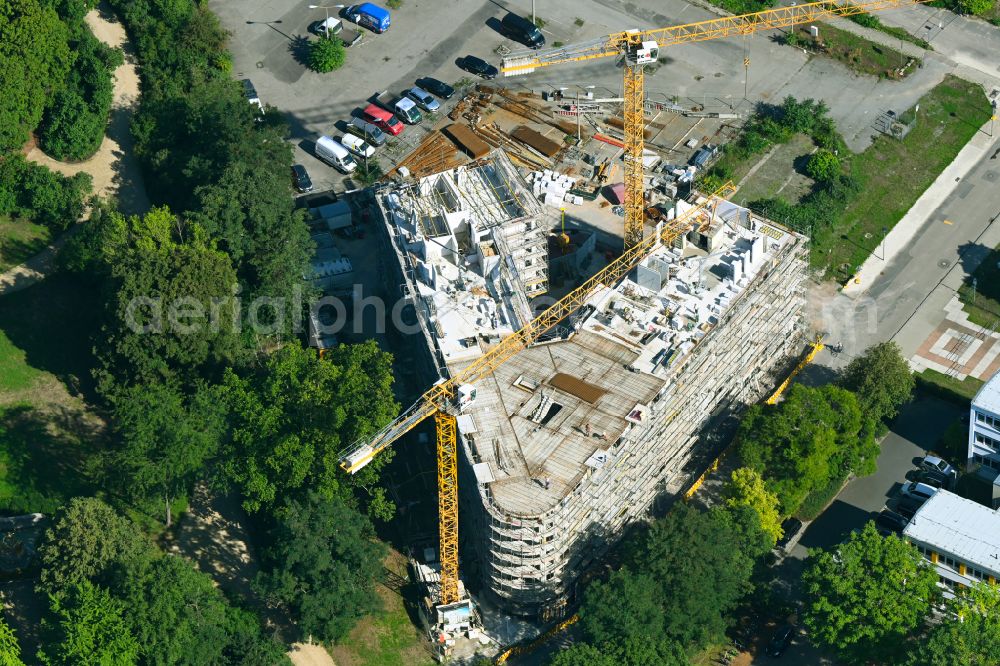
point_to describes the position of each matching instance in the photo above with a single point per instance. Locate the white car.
(358, 146)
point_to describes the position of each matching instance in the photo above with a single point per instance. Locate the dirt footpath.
(303, 654)
(113, 167)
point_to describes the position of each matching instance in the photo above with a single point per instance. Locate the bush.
(368, 171)
(74, 124)
(823, 166)
(33, 192)
(977, 7)
(72, 131)
(326, 55)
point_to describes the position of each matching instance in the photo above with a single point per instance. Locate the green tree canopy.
(967, 635)
(882, 380)
(823, 165)
(172, 309)
(803, 442)
(176, 612)
(628, 605)
(10, 650)
(34, 50)
(166, 440)
(322, 564)
(746, 488)
(326, 55)
(977, 7)
(867, 595)
(88, 627)
(630, 652)
(292, 417)
(86, 541)
(673, 553)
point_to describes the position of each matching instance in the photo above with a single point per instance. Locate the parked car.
(789, 528)
(423, 99)
(382, 119)
(522, 30)
(371, 16)
(889, 522)
(907, 506)
(334, 154)
(250, 92)
(919, 490)
(358, 146)
(479, 67)
(362, 128)
(934, 479)
(780, 641)
(301, 179)
(439, 88)
(937, 464)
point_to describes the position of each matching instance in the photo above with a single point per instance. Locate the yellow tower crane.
(449, 396)
(641, 47)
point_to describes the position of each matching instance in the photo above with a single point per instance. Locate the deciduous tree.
(867, 595)
(166, 441)
(36, 57)
(292, 417)
(967, 635)
(882, 380)
(86, 541)
(322, 564)
(823, 166)
(10, 650)
(746, 488)
(87, 626)
(326, 55)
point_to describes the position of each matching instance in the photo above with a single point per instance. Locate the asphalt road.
(907, 301)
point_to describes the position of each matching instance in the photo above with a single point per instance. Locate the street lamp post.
(975, 282)
(326, 24)
(885, 232)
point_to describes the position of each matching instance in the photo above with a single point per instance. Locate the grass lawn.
(895, 173)
(782, 174)
(20, 240)
(857, 53)
(983, 304)
(947, 387)
(390, 637)
(46, 432)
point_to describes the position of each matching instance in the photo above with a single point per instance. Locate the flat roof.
(988, 396)
(966, 529)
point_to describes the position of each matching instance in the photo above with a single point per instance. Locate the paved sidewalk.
(920, 213)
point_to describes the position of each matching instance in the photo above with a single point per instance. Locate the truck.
(404, 107)
(334, 27)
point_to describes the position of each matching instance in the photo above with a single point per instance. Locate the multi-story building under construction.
(573, 438)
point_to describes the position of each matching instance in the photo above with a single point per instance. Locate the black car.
(522, 30)
(889, 522)
(479, 67)
(934, 478)
(789, 528)
(300, 178)
(780, 641)
(435, 87)
(908, 505)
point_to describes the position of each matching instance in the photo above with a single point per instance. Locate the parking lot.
(426, 39)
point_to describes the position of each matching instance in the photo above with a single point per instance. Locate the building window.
(988, 420)
(987, 441)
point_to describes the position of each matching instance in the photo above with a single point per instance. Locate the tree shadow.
(53, 323)
(298, 47)
(44, 460)
(834, 525)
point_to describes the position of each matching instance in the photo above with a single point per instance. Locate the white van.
(334, 154)
(358, 146)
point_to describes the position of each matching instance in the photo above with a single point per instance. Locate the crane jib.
(442, 393)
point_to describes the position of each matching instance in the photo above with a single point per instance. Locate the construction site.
(576, 372)
(571, 439)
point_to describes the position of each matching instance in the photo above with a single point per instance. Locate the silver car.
(423, 99)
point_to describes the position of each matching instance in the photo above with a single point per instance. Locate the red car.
(382, 119)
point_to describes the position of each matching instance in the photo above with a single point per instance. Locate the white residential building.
(961, 538)
(984, 427)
